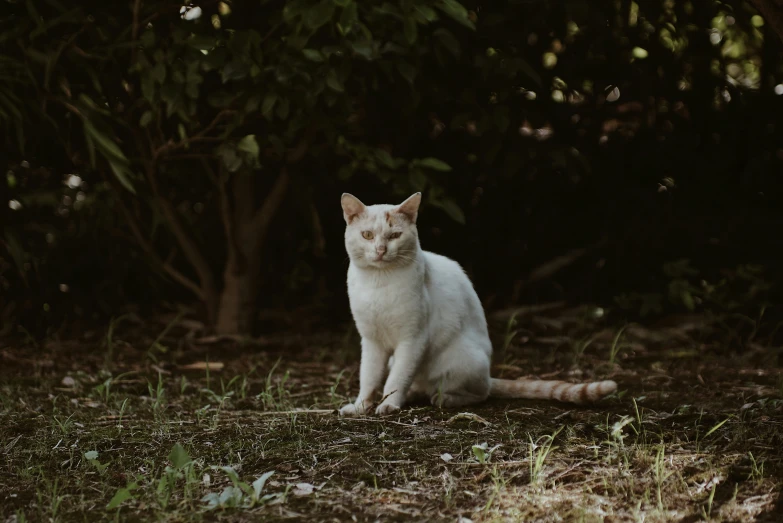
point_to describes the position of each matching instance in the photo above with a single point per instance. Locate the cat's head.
(381, 236)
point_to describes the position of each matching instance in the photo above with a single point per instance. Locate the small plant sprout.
(123, 494)
(103, 390)
(334, 398)
(239, 494)
(539, 451)
(756, 468)
(580, 347)
(156, 347)
(707, 511)
(113, 324)
(182, 468)
(510, 333)
(660, 474)
(92, 458)
(483, 453)
(616, 346)
(710, 432)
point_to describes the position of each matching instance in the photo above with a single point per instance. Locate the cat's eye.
(368, 235)
(395, 235)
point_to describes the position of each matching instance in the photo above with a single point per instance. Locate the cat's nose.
(380, 250)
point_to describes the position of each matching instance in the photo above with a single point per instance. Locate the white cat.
(421, 320)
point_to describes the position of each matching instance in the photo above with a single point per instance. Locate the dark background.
(666, 199)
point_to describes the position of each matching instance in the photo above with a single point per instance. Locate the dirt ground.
(144, 420)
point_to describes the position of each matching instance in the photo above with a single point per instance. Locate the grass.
(694, 433)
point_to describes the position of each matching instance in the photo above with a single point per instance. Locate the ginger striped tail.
(551, 389)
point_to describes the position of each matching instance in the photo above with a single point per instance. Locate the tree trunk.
(236, 307)
(246, 227)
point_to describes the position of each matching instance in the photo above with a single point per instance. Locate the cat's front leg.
(404, 367)
(371, 372)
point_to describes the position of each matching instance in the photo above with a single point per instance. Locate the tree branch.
(186, 243)
(141, 239)
(272, 202)
(297, 153)
(225, 212)
(264, 215)
(198, 137)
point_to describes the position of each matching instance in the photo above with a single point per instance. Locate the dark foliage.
(641, 141)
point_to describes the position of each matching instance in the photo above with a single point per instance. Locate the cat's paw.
(385, 409)
(354, 409)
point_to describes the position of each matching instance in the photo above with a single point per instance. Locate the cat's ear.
(352, 207)
(410, 207)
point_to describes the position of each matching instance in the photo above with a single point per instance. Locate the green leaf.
(363, 49)
(148, 87)
(179, 456)
(249, 145)
(517, 64)
(418, 180)
(268, 105)
(411, 31)
(334, 82)
(90, 148)
(91, 455)
(407, 71)
(426, 12)
(452, 209)
(434, 164)
(231, 473)
(319, 14)
(253, 103)
(122, 494)
(456, 11)
(688, 301)
(220, 99)
(158, 72)
(349, 17)
(234, 70)
(107, 146)
(258, 485)
(282, 109)
(230, 158)
(449, 41)
(147, 38)
(123, 175)
(480, 452)
(385, 158)
(146, 119)
(314, 55)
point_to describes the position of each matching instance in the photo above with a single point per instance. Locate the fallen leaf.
(303, 489)
(68, 381)
(446, 457)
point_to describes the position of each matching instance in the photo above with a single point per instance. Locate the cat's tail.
(551, 389)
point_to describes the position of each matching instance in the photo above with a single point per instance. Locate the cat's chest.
(386, 314)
